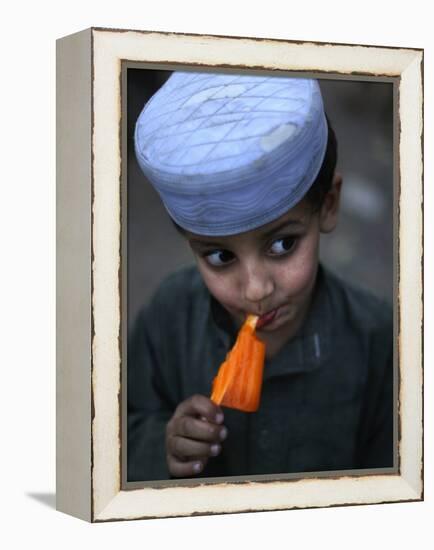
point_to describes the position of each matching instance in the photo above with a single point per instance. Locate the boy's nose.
(258, 285)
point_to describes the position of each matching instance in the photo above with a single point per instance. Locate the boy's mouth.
(266, 318)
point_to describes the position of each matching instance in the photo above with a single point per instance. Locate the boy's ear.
(330, 206)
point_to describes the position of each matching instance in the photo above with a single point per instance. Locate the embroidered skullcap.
(228, 153)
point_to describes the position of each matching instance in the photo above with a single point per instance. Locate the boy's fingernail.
(223, 433)
(197, 467)
(219, 418)
(215, 449)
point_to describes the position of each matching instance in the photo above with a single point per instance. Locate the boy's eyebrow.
(202, 242)
(280, 226)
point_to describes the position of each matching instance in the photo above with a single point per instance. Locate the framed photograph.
(139, 311)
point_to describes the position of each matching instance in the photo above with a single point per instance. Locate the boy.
(245, 166)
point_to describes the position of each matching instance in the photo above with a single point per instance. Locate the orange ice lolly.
(239, 379)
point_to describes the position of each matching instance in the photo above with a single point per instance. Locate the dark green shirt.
(327, 396)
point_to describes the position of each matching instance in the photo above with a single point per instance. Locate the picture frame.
(91, 288)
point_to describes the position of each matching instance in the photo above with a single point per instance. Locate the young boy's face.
(269, 271)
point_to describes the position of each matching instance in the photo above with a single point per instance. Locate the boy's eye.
(219, 258)
(282, 246)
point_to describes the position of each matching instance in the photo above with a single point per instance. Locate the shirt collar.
(307, 351)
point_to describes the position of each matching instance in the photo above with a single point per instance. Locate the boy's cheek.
(229, 299)
(223, 289)
(299, 284)
(300, 274)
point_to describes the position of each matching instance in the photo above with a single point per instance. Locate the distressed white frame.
(89, 262)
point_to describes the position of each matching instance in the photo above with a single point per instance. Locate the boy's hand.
(193, 434)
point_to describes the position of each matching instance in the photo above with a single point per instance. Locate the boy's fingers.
(201, 430)
(183, 448)
(193, 434)
(199, 405)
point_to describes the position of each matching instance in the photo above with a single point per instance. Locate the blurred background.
(360, 249)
